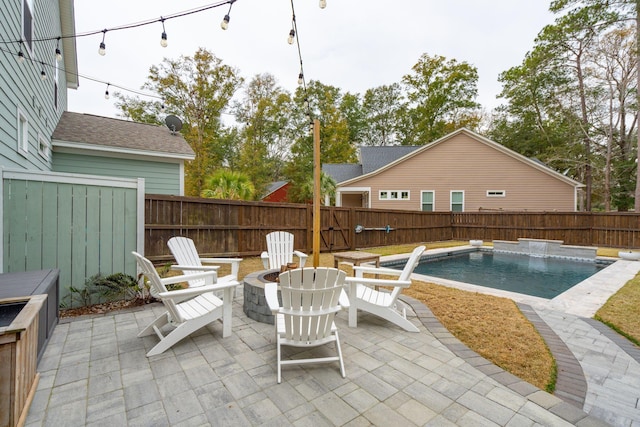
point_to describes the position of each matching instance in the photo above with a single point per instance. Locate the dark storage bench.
(36, 283)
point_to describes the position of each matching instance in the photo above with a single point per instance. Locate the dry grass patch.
(622, 311)
(492, 327)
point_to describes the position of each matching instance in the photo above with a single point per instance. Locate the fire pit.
(255, 305)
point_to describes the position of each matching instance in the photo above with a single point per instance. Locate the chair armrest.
(235, 263)
(302, 256)
(377, 282)
(265, 260)
(195, 267)
(180, 294)
(360, 269)
(187, 277)
(271, 296)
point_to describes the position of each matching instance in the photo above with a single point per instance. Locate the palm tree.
(227, 184)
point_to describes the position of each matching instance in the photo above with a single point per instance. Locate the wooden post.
(316, 193)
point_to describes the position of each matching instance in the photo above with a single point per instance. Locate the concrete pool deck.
(597, 368)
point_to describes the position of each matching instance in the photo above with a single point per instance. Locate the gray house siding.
(23, 92)
(160, 177)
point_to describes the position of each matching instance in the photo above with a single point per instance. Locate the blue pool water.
(540, 277)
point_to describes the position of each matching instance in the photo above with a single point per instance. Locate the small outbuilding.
(96, 145)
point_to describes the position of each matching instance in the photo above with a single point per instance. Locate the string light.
(58, 52)
(300, 78)
(43, 75)
(323, 4)
(20, 57)
(163, 37)
(102, 50)
(225, 21)
(292, 36)
(106, 92)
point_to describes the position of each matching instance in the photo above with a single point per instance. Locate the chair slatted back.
(310, 302)
(185, 252)
(279, 248)
(411, 265)
(147, 268)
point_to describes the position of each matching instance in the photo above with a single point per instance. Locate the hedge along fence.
(237, 228)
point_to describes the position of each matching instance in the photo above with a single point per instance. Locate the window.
(393, 195)
(496, 193)
(457, 201)
(44, 147)
(427, 199)
(27, 23)
(23, 133)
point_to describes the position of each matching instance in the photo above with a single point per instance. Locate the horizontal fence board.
(238, 228)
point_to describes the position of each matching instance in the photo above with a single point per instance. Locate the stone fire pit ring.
(255, 305)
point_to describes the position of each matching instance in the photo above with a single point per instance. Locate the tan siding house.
(462, 171)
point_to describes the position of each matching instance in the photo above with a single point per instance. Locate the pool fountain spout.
(538, 248)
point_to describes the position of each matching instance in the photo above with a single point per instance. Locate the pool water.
(535, 276)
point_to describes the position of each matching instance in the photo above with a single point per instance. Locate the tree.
(335, 146)
(264, 113)
(441, 95)
(226, 184)
(612, 12)
(382, 107)
(197, 89)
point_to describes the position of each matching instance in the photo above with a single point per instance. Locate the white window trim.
(22, 130)
(496, 193)
(433, 202)
(44, 142)
(398, 195)
(451, 199)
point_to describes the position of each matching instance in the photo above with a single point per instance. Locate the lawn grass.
(621, 312)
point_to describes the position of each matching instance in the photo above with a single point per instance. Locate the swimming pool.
(535, 276)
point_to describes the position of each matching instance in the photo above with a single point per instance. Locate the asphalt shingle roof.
(108, 132)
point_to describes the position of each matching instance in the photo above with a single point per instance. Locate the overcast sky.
(351, 44)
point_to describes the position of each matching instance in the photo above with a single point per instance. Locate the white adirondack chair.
(310, 301)
(280, 251)
(186, 255)
(187, 309)
(364, 292)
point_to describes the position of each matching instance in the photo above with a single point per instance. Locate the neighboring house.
(460, 172)
(88, 144)
(277, 192)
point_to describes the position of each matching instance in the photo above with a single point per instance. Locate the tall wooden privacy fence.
(235, 228)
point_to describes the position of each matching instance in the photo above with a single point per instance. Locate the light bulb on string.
(225, 21)
(43, 75)
(323, 4)
(58, 52)
(106, 92)
(300, 78)
(163, 37)
(102, 49)
(292, 35)
(20, 57)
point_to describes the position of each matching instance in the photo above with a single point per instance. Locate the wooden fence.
(235, 228)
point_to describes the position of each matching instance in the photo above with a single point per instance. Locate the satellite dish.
(173, 123)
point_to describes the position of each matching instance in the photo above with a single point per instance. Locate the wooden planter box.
(18, 357)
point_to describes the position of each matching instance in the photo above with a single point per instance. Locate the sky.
(354, 45)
